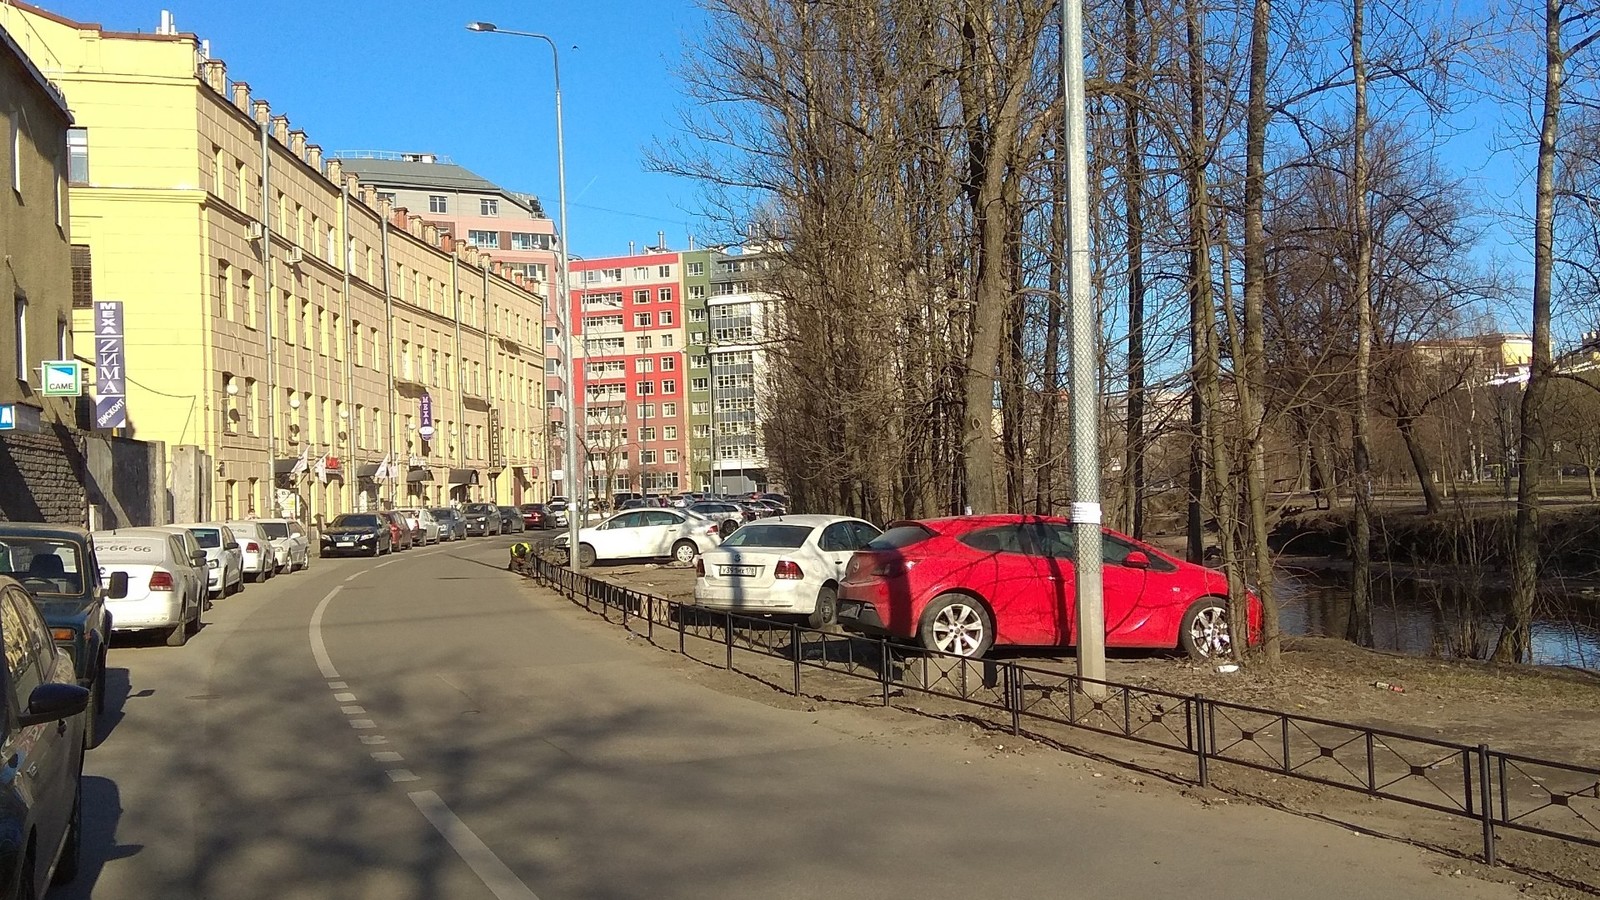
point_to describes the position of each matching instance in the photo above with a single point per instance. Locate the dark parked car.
(534, 515)
(482, 518)
(510, 520)
(57, 565)
(366, 534)
(42, 734)
(399, 531)
(452, 526)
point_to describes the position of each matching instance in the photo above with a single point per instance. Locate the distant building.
(734, 339)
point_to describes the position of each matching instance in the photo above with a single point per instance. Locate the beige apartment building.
(327, 350)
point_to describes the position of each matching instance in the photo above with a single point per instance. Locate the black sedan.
(42, 741)
(364, 534)
(483, 519)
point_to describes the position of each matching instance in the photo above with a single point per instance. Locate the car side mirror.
(117, 588)
(1136, 559)
(52, 702)
(198, 557)
(230, 546)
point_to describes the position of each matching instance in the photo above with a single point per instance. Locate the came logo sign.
(62, 378)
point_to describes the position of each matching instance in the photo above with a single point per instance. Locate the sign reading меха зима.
(110, 384)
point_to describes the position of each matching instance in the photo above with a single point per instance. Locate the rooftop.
(425, 170)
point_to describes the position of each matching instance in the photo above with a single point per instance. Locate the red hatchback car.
(962, 585)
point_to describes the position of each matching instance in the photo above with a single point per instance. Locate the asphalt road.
(429, 726)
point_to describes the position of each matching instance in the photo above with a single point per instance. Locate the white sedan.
(163, 592)
(646, 534)
(786, 565)
(424, 527)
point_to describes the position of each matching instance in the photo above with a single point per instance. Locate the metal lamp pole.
(576, 502)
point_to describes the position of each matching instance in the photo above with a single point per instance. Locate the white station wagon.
(166, 592)
(785, 565)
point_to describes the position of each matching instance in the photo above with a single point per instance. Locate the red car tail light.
(787, 570)
(161, 581)
(252, 547)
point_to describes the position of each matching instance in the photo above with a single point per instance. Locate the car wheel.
(827, 611)
(586, 555)
(178, 635)
(956, 624)
(684, 552)
(199, 615)
(67, 863)
(91, 713)
(1204, 634)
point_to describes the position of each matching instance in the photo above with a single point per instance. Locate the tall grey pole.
(347, 425)
(1085, 395)
(271, 496)
(390, 362)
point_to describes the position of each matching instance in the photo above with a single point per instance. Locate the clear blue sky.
(409, 76)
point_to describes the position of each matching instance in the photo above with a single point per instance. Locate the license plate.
(739, 571)
(347, 543)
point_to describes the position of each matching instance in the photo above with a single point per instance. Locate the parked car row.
(966, 584)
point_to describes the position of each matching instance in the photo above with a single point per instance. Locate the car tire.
(71, 845)
(728, 526)
(586, 555)
(91, 713)
(1204, 632)
(684, 552)
(199, 617)
(958, 625)
(827, 611)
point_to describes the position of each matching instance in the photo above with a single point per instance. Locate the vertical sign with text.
(110, 374)
(496, 461)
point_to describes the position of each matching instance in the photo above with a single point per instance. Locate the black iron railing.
(1495, 790)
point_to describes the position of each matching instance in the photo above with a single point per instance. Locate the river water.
(1429, 617)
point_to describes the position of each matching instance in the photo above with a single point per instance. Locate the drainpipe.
(488, 366)
(461, 370)
(388, 328)
(266, 281)
(347, 423)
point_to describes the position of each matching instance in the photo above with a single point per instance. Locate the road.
(429, 726)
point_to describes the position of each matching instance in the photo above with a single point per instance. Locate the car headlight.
(366, 537)
(212, 564)
(561, 541)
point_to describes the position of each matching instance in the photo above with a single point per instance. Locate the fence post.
(650, 626)
(1013, 689)
(1484, 795)
(794, 647)
(627, 600)
(681, 617)
(727, 638)
(1202, 741)
(884, 663)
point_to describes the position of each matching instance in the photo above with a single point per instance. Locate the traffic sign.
(8, 416)
(62, 378)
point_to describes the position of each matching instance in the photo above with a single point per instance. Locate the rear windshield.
(897, 537)
(785, 537)
(275, 529)
(131, 550)
(445, 513)
(480, 508)
(355, 521)
(209, 538)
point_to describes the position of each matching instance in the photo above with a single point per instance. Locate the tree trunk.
(1045, 493)
(1407, 425)
(1360, 627)
(1133, 180)
(1516, 637)
(1255, 362)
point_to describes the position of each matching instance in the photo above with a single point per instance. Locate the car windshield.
(149, 551)
(480, 508)
(444, 513)
(275, 529)
(45, 566)
(209, 538)
(897, 537)
(786, 537)
(356, 520)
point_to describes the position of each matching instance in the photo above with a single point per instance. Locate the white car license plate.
(347, 543)
(739, 571)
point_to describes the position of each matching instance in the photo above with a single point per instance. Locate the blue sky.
(408, 76)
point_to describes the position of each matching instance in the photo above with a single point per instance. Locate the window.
(384, 196)
(438, 203)
(602, 323)
(664, 272)
(669, 363)
(21, 322)
(521, 240)
(672, 456)
(641, 320)
(646, 388)
(724, 289)
(611, 274)
(669, 433)
(701, 409)
(647, 434)
(664, 295)
(697, 337)
(551, 335)
(697, 292)
(669, 409)
(78, 156)
(243, 200)
(552, 366)
(488, 240)
(697, 315)
(639, 272)
(699, 362)
(699, 384)
(644, 365)
(695, 268)
(646, 410)
(488, 206)
(643, 342)
(647, 457)
(669, 386)
(701, 432)
(667, 340)
(333, 246)
(641, 296)
(666, 317)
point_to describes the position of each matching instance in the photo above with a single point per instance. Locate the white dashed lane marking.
(399, 775)
(345, 697)
(363, 723)
(387, 756)
(353, 710)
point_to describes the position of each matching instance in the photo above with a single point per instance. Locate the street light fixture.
(576, 502)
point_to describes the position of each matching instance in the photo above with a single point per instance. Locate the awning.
(367, 471)
(419, 473)
(459, 477)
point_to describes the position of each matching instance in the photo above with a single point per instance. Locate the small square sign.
(62, 378)
(8, 416)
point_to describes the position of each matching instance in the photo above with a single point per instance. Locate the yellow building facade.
(326, 351)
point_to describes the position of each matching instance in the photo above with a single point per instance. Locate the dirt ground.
(1541, 712)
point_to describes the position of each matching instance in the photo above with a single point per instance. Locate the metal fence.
(1493, 789)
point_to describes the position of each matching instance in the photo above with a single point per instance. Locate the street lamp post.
(576, 502)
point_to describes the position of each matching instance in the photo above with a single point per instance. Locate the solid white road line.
(318, 648)
(496, 876)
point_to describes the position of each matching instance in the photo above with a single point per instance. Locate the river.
(1428, 617)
